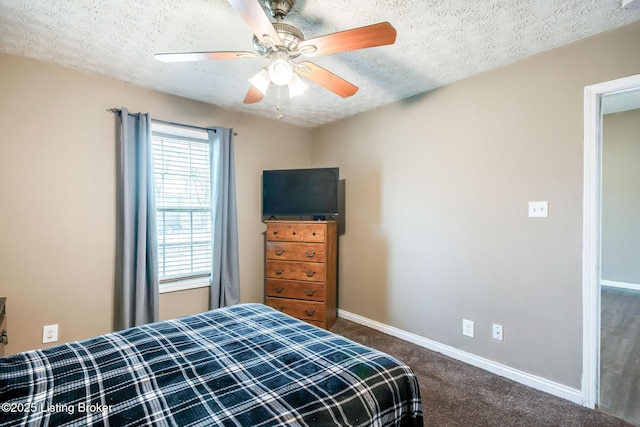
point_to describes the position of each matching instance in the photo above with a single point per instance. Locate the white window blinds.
(183, 206)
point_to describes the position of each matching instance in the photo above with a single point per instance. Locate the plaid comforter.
(246, 365)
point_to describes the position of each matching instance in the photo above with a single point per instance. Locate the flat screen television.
(300, 192)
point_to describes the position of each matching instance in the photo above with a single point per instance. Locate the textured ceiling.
(438, 42)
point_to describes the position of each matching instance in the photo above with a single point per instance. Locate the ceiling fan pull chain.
(278, 112)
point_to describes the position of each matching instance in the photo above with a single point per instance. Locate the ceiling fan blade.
(256, 19)
(201, 56)
(357, 38)
(325, 78)
(253, 95)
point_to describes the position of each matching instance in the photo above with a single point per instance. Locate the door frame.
(591, 232)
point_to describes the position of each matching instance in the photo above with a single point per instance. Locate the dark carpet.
(457, 394)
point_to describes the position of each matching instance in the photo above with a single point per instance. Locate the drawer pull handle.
(313, 234)
(309, 312)
(279, 271)
(275, 231)
(310, 273)
(278, 290)
(279, 252)
(309, 293)
(310, 254)
(294, 233)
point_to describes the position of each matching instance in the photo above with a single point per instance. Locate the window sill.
(183, 285)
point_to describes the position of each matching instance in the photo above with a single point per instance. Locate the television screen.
(300, 192)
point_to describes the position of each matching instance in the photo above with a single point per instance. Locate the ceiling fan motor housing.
(279, 7)
(289, 35)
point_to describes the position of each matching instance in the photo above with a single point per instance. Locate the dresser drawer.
(305, 310)
(291, 251)
(294, 270)
(307, 291)
(282, 232)
(314, 232)
(296, 232)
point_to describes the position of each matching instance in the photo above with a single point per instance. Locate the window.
(183, 206)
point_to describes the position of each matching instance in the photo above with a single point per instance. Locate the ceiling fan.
(282, 43)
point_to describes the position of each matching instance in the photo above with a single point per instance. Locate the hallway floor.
(620, 354)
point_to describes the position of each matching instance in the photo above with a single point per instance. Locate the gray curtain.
(225, 274)
(136, 254)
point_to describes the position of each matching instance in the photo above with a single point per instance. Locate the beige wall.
(57, 177)
(621, 197)
(437, 193)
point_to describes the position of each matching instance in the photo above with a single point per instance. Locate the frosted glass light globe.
(280, 72)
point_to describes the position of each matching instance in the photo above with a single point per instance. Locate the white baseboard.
(533, 381)
(622, 285)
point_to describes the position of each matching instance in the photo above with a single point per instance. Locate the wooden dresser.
(301, 263)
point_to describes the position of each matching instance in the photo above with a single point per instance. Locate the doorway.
(620, 246)
(592, 232)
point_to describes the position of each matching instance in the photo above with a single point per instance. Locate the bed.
(245, 365)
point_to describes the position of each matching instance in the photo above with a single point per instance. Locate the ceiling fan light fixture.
(261, 81)
(281, 69)
(296, 86)
(280, 73)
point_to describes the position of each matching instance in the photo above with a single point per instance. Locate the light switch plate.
(538, 209)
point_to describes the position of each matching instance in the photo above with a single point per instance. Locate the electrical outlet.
(497, 332)
(49, 334)
(467, 328)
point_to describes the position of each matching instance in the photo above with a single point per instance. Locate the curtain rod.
(117, 110)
